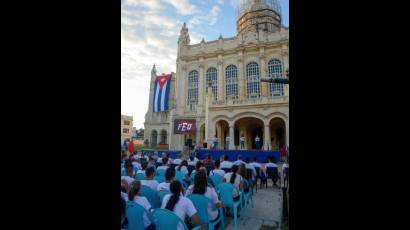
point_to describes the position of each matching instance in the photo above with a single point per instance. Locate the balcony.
(256, 100)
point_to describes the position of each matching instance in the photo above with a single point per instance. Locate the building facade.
(218, 84)
(126, 127)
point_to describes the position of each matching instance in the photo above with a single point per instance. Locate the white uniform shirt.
(226, 164)
(136, 165)
(177, 161)
(242, 139)
(271, 165)
(153, 184)
(219, 172)
(184, 207)
(211, 194)
(236, 183)
(144, 203)
(164, 167)
(239, 162)
(184, 171)
(128, 179)
(163, 186)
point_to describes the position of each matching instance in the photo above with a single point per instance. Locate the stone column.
(263, 73)
(181, 88)
(285, 60)
(267, 144)
(209, 130)
(221, 79)
(198, 131)
(232, 137)
(287, 132)
(241, 76)
(201, 87)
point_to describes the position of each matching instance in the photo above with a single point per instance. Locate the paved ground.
(266, 210)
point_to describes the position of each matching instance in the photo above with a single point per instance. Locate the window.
(275, 71)
(231, 73)
(252, 80)
(125, 130)
(126, 122)
(192, 89)
(163, 137)
(212, 76)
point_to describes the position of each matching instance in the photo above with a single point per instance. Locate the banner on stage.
(184, 126)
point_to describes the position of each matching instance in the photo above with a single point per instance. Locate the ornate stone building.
(218, 84)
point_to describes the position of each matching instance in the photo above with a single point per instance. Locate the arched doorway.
(154, 136)
(250, 127)
(163, 135)
(222, 131)
(277, 128)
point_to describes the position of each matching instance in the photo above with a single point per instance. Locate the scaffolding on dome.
(245, 5)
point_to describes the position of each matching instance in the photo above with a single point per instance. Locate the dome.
(258, 15)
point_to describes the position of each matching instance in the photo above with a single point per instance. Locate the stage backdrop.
(261, 156)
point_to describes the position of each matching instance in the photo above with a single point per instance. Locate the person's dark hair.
(183, 163)
(200, 183)
(198, 166)
(247, 160)
(226, 158)
(239, 157)
(169, 174)
(242, 170)
(208, 157)
(234, 171)
(129, 168)
(149, 171)
(164, 160)
(253, 159)
(134, 189)
(144, 165)
(175, 188)
(217, 163)
(191, 158)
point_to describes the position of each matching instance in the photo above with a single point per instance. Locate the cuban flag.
(161, 92)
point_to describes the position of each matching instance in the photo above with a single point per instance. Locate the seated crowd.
(194, 177)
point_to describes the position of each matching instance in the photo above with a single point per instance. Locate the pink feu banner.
(184, 126)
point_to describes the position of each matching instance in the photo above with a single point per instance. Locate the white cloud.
(183, 7)
(150, 4)
(210, 18)
(148, 36)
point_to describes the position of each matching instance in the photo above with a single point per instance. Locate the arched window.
(212, 76)
(163, 137)
(275, 71)
(231, 73)
(192, 90)
(154, 135)
(252, 80)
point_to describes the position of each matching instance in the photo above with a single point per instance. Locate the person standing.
(257, 142)
(242, 141)
(227, 140)
(131, 147)
(215, 141)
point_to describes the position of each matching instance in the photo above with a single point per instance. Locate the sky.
(149, 35)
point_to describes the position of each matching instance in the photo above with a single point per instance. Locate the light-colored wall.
(129, 127)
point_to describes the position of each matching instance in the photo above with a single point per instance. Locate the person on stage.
(257, 142)
(227, 139)
(215, 142)
(242, 141)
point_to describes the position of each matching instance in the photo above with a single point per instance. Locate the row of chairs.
(164, 219)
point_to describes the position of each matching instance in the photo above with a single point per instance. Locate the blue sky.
(149, 34)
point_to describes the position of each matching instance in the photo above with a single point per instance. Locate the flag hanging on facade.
(161, 92)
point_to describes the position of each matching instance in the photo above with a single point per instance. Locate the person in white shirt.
(192, 161)
(235, 179)
(176, 161)
(133, 195)
(143, 167)
(242, 141)
(249, 166)
(254, 163)
(226, 163)
(129, 173)
(227, 140)
(180, 205)
(215, 142)
(201, 187)
(164, 165)
(169, 177)
(217, 170)
(270, 163)
(257, 142)
(149, 181)
(182, 167)
(239, 161)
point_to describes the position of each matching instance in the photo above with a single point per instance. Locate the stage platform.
(261, 155)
